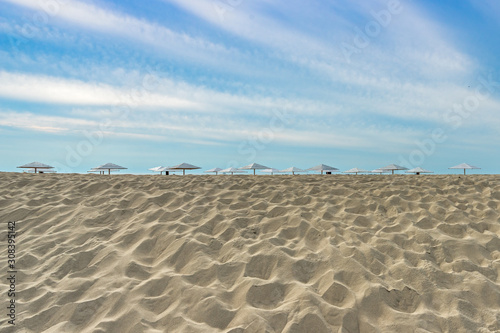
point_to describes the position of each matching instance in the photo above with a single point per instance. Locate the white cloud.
(92, 17)
(210, 131)
(419, 45)
(149, 93)
(410, 34)
(41, 123)
(56, 90)
(246, 19)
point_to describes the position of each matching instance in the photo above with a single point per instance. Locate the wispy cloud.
(157, 94)
(178, 44)
(248, 20)
(211, 131)
(73, 92)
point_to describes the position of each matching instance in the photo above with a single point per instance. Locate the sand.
(337, 253)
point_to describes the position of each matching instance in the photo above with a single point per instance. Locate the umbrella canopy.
(160, 169)
(166, 169)
(379, 171)
(35, 166)
(254, 166)
(109, 167)
(322, 167)
(216, 170)
(418, 171)
(356, 171)
(293, 170)
(184, 167)
(271, 171)
(95, 170)
(157, 169)
(232, 171)
(464, 166)
(393, 167)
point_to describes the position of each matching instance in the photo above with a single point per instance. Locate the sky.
(225, 83)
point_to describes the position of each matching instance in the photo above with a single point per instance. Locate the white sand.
(254, 254)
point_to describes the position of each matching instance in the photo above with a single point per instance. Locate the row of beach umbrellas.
(182, 166)
(325, 168)
(262, 168)
(109, 167)
(35, 166)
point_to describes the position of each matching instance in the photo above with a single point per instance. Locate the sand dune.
(255, 254)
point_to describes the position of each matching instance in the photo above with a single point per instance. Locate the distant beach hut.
(393, 167)
(356, 171)
(109, 167)
(464, 166)
(254, 166)
(323, 167)
(232, 171)
(184, 167)
(36, 166)
(272, 171)
(293, 170)
(216, 170)
(418, 171)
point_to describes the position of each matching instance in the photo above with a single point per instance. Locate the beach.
(303, 253)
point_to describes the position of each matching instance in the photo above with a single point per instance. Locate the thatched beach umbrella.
(232, 171)
(161, 169)
(356, 171)
(157, 169)
(109, 167)
(216, 170)
(271, 171)
(293, 170)
(184, 167)
(254, 166)
(418, 171)
(323, 167)
(393, 167)
(101, 172)
(379, 171)
(35, 166)
(464, 166)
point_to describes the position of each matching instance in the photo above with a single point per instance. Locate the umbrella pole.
(183, 172)
(464, 172)
(254, 172)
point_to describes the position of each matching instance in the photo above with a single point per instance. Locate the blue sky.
(226, 83)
